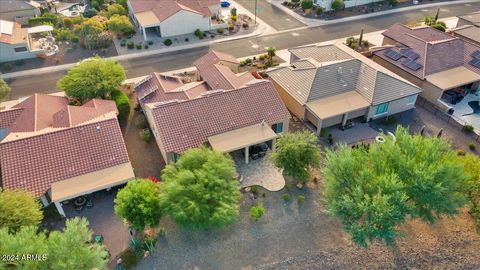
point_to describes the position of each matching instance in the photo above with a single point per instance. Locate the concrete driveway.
(271, 14)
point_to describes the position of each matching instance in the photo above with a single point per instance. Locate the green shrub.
(230, 27)
(74, 39)
(301, 199)
(319, 11)
(220, 30)
(145, 135)
(256, 212)
(139, 46)
(167, 42)
(122, 102)
(439, 27)
(233, 18)
(123, 43)
(145, 46)
(19, 63)
(45, 19)
(461, 153)
(95, 5)
(338, 5)
(141, 121)
(198, 33)
(62, 34)
(233, 12)
(468, 129)
(89, 13)
(130, 44)
(306, 4)
(286, 197)
(254, 189)
(129, 258)
(7, 67)
(472, 146)
(67, 22)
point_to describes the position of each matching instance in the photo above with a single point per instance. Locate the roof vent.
(98, 128)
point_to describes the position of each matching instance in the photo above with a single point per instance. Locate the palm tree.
(271, 54)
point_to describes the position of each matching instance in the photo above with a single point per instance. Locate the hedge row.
(123, 104)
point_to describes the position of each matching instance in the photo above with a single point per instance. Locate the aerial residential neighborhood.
(239, 134)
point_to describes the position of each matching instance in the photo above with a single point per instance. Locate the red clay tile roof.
(7, 117)
(437, 50)
(186, 124)
(221, 77)
(213, 57)
(34, 163)
(163, 9)
(160, 88)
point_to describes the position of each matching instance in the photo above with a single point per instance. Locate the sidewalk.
(315, 22)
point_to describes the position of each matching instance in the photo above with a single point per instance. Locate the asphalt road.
(270, 14)
(23, 86)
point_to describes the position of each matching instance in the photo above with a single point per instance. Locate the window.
(21, 49)
(278, 127)
(175, 157)
(382, 108)
(411, 99)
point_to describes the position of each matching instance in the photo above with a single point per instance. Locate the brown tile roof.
(469, 32)
(186, 124)
(34, 163)
(473, 18)
(161, 87)
(163, 9)
(221, 77)
(437, 50)
(41, 111)
(213, 57)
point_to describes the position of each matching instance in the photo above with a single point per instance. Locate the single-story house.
(228, 111)
(469, 33)
(442, 65)
(59, 152)
(18, 43)
(19, 10)
(168, 18)
(327, 85)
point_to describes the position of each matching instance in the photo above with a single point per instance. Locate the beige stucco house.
(328, 85)
(168, 18)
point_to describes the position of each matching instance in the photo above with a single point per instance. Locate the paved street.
(163, 62)
(272, 15)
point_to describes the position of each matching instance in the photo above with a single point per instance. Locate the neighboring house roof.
(321, 53)
(222, 77)
(34, 163)
(12, 32)
(432, 51)
(159, 87)
(214, 57)
(473, 18)
(16, 5)
(50, 141)
(187, 124)
(163, 9)
(470, 32)
(325, 79)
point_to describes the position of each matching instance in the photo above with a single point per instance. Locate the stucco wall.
(332, 121)
(7, 52)
(357, 113)
(153, 126)
(184, 22)
(394, 107)
(292, 105)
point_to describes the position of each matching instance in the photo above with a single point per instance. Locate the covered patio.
(243, 138)
(89, 183)
(456, 83)
(336, 109)
(148, 24)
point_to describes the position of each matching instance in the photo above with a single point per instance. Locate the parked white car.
(73, 10)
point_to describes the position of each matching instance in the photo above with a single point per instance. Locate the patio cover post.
(144, 33)
(246, 155)
(319, 127)
(344, 120)
(59, 207)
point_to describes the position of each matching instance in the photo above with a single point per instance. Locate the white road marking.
(295, 34)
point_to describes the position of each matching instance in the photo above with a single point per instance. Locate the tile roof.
(160, 87)
(34, 163)
(12, 33)
(321, 53)
(468, 31)
(437, 50)
(41, 111)
(222, 77)
(214, 57)
(186, 124)
(9, 116)
(163, 9)
(473, 18)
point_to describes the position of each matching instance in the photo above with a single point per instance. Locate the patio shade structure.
(337, 105)
(90, 182)
(242, 138)
(452, 78)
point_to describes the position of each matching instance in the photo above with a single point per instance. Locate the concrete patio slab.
(361, 132)
(260, 172)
